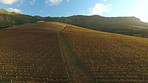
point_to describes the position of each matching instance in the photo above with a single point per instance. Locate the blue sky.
(58, 8)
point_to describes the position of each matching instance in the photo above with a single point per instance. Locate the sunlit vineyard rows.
(51, 52)
(30, 54)
(109, 57)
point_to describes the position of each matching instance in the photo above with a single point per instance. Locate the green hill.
(8, 19)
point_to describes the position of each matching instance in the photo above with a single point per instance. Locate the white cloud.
(100, 8)
(53, 2)
(14, 10)
(9, 2)
(104, 0)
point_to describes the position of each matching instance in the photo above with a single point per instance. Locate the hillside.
(8, 19)
(63, 53)
(122, 25)
(108, 57)
(31, 54)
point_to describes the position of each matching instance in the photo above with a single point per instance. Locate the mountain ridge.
(120, 25)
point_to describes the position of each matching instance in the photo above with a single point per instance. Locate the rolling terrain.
(122, 25)
(62, 53)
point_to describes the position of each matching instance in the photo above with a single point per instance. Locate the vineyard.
(30, 54)
(109, 57)
(53, 52)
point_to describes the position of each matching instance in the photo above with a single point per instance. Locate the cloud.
(100, 8)
(9, 2)
(53, 2)
(14, 10)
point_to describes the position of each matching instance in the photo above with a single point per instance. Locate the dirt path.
(77, 73)
(72, 71)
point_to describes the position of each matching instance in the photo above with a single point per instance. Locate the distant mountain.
(11, 18)
(122, 25)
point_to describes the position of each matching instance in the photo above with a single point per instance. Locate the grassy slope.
(108, 56)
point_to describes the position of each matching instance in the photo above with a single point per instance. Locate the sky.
(59, 8)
